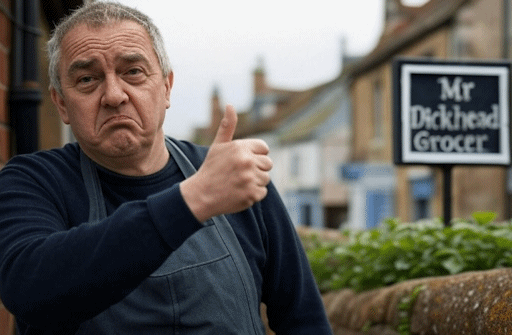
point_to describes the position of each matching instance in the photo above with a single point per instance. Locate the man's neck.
(144, 162)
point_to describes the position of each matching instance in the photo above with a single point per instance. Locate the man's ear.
(59, 102)
(169, 81)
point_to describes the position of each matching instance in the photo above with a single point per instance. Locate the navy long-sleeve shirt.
(57, 270)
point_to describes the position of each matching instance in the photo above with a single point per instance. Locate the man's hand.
(233, 176)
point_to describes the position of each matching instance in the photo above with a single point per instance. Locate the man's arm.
(294, 305)
(53, 276)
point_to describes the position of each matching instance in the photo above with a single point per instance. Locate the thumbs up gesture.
(233, 176)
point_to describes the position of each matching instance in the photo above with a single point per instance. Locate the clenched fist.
(233, 176)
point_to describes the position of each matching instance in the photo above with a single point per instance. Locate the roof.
(320, 109)
(417, 22)
(287, 103)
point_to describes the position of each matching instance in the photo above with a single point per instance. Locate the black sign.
(451, 113)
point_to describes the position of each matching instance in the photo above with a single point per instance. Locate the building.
(313, 144)
(440, 29)
(269, 109)
(374, 187)
(308, 133)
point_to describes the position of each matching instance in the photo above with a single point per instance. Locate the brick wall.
(6, 319)
(471, 303)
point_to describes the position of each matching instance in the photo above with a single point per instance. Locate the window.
(305, 213)
(463, 33)
(421, 209)
(335, 216)
(379, 206)
(422, 190)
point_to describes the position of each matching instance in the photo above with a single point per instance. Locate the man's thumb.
(227, 126)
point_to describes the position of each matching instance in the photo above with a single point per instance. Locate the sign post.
(451, 113)
(447, 194)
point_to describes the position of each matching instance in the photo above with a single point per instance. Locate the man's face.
(114, 95)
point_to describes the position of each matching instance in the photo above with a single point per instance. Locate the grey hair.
(99, 14)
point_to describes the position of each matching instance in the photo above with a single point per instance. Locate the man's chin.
(121, 143)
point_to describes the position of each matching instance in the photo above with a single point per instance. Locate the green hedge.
(396, 252)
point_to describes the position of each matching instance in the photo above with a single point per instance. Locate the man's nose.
(113, 93)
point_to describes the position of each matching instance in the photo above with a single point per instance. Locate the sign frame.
(405, 68)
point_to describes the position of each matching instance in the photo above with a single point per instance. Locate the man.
(130, 232)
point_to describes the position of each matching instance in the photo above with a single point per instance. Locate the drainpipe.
(25, 95)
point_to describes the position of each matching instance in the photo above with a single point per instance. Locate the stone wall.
(468, 303)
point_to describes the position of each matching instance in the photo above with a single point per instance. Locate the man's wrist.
(172, 217)
(194, 200)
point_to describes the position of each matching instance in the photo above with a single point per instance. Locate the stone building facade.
(440, 29)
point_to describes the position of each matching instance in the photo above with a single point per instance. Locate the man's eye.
(134, 71)
(85, 79)
(135, 76)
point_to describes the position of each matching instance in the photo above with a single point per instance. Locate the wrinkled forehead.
(85, 38)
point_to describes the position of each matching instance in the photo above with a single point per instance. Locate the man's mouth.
(116, 119)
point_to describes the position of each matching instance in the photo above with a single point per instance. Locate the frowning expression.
(114, 94)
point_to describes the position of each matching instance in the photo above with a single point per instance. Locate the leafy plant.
(397, 251)
(405, 309)
(483, 218)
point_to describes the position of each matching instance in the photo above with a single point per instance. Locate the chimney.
(395, 15)
(260, 85)
(343, 52)
(216, 111)
(392, 10)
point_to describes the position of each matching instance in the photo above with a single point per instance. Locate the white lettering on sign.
(423, 141)
(452, 119)
(458, 91)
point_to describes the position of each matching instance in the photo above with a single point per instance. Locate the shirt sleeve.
(52, 275)
(294, 304)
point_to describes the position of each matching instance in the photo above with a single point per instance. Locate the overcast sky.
(218, 44)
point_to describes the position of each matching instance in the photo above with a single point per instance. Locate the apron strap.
(230, 241)
(97, 209)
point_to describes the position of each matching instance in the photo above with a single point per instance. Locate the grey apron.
(204, 287)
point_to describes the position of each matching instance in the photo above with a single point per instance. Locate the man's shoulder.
(195, 153)
(51, 160)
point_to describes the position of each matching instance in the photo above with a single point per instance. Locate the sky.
(217, 44)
